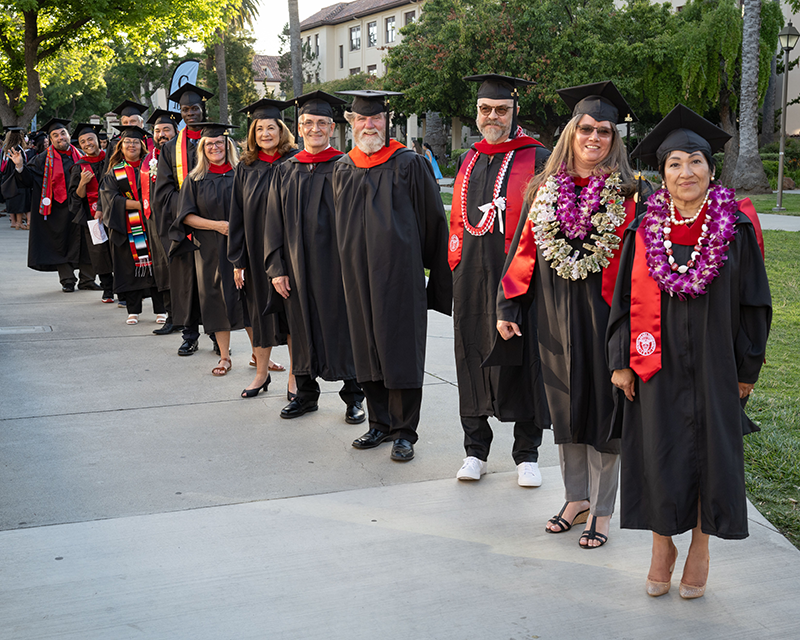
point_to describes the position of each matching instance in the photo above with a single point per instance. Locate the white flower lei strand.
(557, 251)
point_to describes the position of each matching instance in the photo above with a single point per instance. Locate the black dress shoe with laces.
(355, 414)
(402, 450)
(297, 408)
(165, 329)
(68, 288)
(187, 348)
(370, 439)
(90, 286)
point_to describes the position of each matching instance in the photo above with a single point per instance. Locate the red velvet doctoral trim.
(363, 161)
(135, 164)
(323, 156)
(220, 168)
(95, 159)
(193, 135)
(269, 157)
(504, 147)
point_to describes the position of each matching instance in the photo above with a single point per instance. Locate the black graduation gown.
(246, 246)
(571, 320)
(390, 225)
(510, 393)
(20, 201)
(99, 254)
(182, 279)
(55, 240)
(210, 198)
(160, 262)
(682, 436)
(301, 243)
(112, 203)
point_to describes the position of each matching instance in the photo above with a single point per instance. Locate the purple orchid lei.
(709, 252)
(575, 214)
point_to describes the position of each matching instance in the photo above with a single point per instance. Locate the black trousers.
(134, 300)
(393, 411)
(66, 273)
(107, 282)
(478, 438)
(308, 390)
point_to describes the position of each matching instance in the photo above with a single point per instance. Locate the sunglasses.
(603, 132)
(486, 110)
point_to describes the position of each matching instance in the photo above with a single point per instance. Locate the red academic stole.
(269, 158)
(363, 161)
(54, 185)
(92, 186)
(645, 348)
(182, 153)
(323, 156)
(125, 174)
(220, 168)
(517, 280)
(522, 170)
(147, 178)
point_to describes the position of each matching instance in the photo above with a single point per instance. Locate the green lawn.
(764, 204)
(447, 198)
(772, 456)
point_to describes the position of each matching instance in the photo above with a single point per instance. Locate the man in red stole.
(84, 185)
(165, 128)
(390, 226)
(54, 243)
(488, 198)
(174, 164)
(300, 216)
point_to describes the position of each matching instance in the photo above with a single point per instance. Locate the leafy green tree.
(310, 65)
(239, 70)
(34, 32)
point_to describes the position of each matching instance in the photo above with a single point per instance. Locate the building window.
(389, 30)
(372, 34)
(355, 38)
(355, 71)
(341, 56)
(411, 18)
(316, 45)
(372, 69)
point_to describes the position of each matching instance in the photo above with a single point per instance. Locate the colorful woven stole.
(137, 237)
(54, 184)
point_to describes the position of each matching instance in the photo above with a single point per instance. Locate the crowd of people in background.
(582, 296)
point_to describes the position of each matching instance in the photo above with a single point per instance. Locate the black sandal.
(591, 534)
(580, 518)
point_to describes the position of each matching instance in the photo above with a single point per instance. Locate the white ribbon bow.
(498, 204)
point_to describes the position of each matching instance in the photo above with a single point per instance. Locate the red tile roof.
(345, 11)
(266, 68)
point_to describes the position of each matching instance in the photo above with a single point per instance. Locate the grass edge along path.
(772, 456)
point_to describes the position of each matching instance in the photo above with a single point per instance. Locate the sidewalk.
(142, 498)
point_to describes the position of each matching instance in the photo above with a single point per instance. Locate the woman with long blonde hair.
(566, 260)
(269, 143)
(203, 212)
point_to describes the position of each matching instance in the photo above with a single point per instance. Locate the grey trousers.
(590, 475)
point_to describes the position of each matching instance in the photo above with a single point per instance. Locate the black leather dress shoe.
(296, 408)
(68, 288)
(354, 414)
(402, 450)
(187, 348)
(90, 286)
(165, 329)
(370, 439)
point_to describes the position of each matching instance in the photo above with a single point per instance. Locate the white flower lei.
(557, 251)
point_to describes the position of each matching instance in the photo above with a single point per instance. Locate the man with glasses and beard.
(165, 128)
(488, 198)
(390, 227)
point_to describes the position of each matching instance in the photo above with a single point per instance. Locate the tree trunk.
(768, 112)
(296, 48)
(749, 176)
(222, 75)
(728, 122)
(434, 133)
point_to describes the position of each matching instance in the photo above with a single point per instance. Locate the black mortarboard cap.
(497, 87)
(133, 132)
(681, 129)
(265, 109)
(102, 135)
(214, 129)
(55, 123)
(129, 108)
(317, 103)
(15, 129)
(162, 116)
(190, 94)
(38, 135)
(601, 100)
(86, 127)
(368, 102)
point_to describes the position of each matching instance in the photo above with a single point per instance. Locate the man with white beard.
(390, 226)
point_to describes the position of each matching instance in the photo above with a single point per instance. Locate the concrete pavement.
(140, 497)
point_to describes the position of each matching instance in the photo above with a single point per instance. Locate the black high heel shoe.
(252, 393)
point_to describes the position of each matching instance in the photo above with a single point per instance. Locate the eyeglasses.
(586, 130)
(215, 145)
(486, 110)
(132, 143)
(310, 125)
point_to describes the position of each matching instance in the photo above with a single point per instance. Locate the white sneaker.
(528, 474)
(472, 469)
